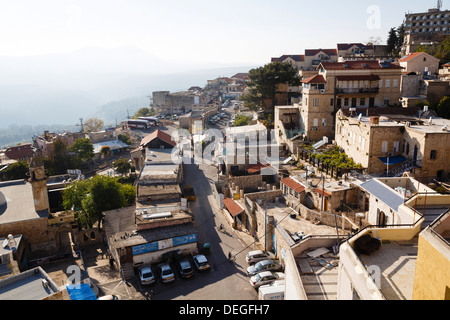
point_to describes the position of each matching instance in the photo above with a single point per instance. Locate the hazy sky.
(230, 31)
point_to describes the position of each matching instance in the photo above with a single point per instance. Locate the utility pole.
(323, 192)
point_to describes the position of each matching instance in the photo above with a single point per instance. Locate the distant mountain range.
(61, 88)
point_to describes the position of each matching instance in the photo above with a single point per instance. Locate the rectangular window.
(354, 102)
(380, 84)
(395, 83)
(316, 102)
(346, 101)
(316, 123)
(384, 147)
(362, 102)
(388, 83)
(396, 146)
(324, 122)
(433, 155)
(331, 102)
(386, 102)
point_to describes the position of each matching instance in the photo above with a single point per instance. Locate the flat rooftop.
(27, 286)
(319, 275)
(397, 262)
(17, 203)
(282, 213)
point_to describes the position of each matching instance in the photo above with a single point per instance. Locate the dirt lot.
(95, 261)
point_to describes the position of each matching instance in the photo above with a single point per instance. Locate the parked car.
(258, 255)
(265, 277)
(185, 269)
(166, 273)
(264, 265)
(146, 275)
(201, 263)
(110, 297)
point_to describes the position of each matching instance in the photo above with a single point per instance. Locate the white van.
(274, 291)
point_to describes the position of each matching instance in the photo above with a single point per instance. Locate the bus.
(138, 124)
(152, 120)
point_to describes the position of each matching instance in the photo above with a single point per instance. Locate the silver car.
(265, 265)
(146, 275)
(258, 255)
(166, 273)
(265, 277)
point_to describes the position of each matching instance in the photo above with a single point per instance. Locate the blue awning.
(392, 160)
(81, 292)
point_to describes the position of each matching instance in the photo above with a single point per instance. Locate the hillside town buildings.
(379, 234)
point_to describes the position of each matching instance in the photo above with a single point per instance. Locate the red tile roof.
(232, 206)
(359, 65)
(19, 152)
(295, 57)
(294, 185)
(313, 52)
(255, 168)
(160, 135)
(315, 79)
(346, 46)
(410, 56)
(319, 191)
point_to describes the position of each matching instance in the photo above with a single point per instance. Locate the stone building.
(174, 103)
(369, 141)
(392, 144)
(351, 84)
(420, 63)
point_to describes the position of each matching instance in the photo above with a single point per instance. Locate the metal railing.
(357, 91)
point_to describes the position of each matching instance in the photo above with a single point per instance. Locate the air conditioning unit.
(322, 91)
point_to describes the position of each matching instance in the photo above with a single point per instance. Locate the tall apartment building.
(349, 84)
(425, 28)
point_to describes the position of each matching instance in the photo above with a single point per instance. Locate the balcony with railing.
(362, 91)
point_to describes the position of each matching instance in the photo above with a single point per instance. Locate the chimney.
(375, 120)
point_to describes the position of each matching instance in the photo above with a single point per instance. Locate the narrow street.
(227, 280)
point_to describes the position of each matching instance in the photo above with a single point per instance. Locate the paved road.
(227, 280)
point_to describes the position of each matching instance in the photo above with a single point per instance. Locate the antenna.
(439, 5)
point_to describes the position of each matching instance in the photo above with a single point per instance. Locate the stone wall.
(246, 182)
(34, 231)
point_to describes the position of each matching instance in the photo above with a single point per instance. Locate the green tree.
(59, 160)
(440, 51)
(443, 108)
(143, 112)
(392, 41)
(124, 138)
(105, 150)
(241, 120)
(83, 149)
(264, 84)
(16, 171)
(90, 198)
(122, 166)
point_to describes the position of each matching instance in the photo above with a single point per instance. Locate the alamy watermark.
(238, 147)
(374, 20)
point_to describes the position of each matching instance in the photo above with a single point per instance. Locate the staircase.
(127, 271)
